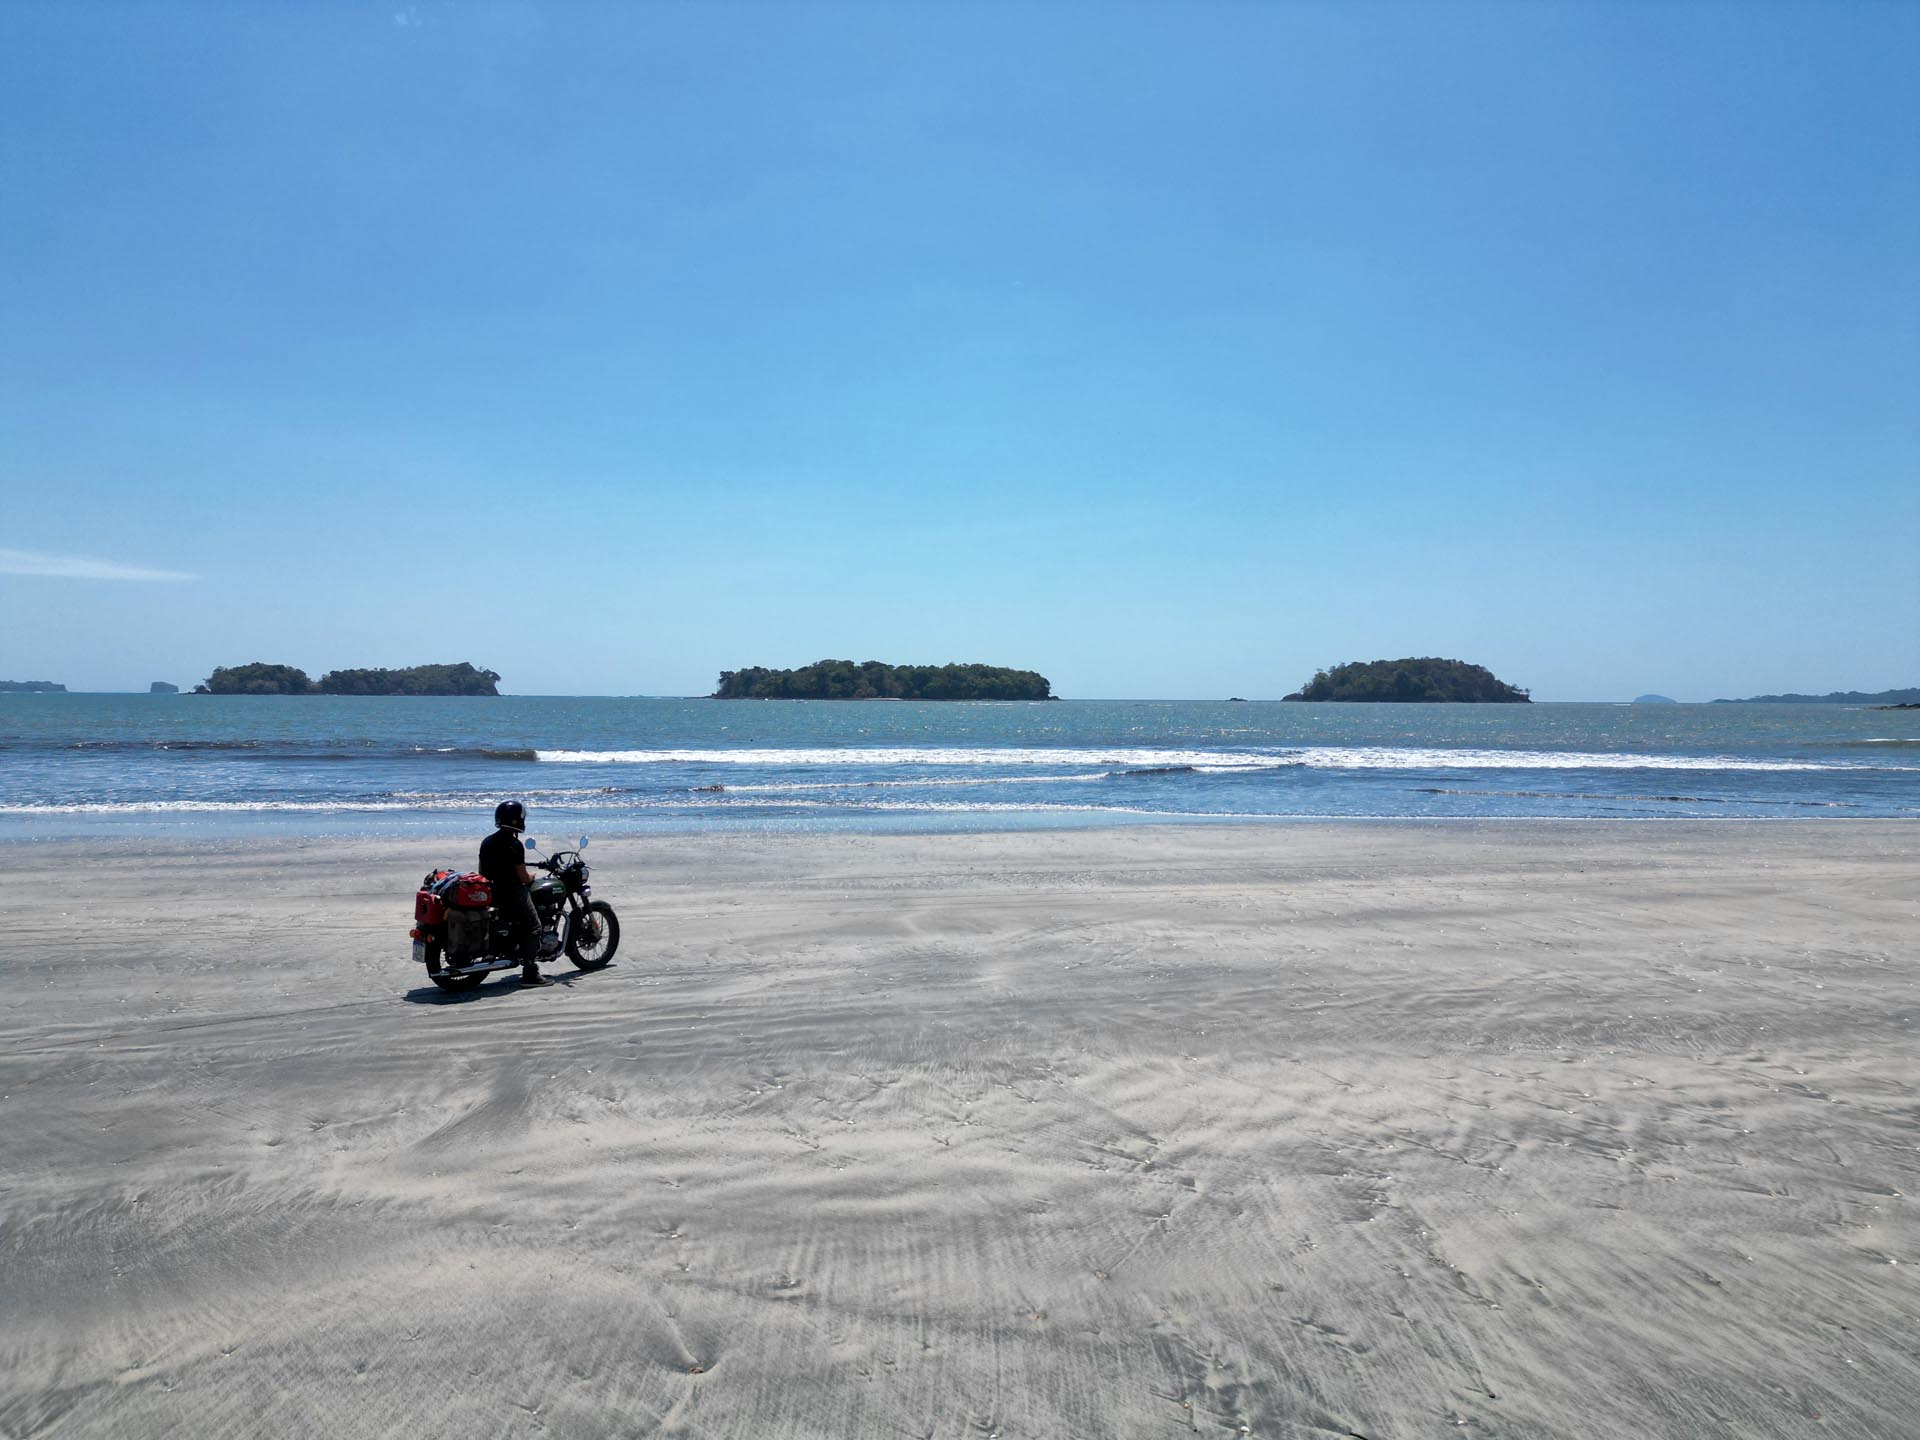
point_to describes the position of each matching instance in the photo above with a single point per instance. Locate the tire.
(454, 984)
(593, 937)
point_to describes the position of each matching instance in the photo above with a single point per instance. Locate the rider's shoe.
(532, 976)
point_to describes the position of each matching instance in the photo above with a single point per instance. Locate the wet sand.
(1523, 1129)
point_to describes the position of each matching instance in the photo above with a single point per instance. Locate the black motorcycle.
(461, 938)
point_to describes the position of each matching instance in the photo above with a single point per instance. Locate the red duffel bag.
(470, 892)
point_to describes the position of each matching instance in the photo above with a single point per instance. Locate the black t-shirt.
(501, 856)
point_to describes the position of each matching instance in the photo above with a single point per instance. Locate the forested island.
(461, 679)
(163, 687)
(873, 680)
(31, 687)
(1425, 680)
(1833, 697)
(260, 678)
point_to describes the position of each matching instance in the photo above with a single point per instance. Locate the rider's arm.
(526, 876)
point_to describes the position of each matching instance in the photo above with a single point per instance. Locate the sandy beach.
(1515, 1129)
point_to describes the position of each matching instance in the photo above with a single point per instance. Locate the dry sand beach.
(1530, 1130)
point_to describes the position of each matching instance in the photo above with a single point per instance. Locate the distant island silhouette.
(31, 687)
(163, 687)
(1412, 681)
(260, 678)
(1834, 697)
(875, 680)
(1654, 700)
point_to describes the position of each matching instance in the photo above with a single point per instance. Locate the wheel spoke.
(596, 935)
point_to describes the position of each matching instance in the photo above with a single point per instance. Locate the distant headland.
(1834, 697)
(1412, 681)
(873, 680)
(260, 678)
(163, 687)
(31, 687)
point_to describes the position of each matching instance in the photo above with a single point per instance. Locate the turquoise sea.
(96, 765)
(129, 764)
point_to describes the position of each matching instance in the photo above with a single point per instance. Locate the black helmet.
(510, 815)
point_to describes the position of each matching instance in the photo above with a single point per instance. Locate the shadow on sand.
(494, 989)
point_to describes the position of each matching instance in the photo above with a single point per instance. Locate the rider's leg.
(526, 930)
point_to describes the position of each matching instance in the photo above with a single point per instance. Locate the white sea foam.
(631, 803)
(1323, 757)
(918, 782)
(970, 807)
(931, 756)
(237, 807)
(1394, 758)
(785, 773)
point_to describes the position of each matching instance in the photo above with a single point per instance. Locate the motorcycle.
(461, 938)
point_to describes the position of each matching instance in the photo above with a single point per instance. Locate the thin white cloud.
(80, 567)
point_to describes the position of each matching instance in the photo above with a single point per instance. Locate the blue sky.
(1171, 350)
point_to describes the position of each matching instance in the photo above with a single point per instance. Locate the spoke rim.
(592, 938)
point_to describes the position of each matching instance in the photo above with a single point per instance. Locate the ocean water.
(132, 764)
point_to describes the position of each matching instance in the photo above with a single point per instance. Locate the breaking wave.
(926, 756)
(1629, 797)
(1205, 762)
(305, 749)
(116, 765)
(236, 807)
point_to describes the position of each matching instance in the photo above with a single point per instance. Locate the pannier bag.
(466, 934)
(430, 900)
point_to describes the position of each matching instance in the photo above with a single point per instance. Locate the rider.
(503, 860)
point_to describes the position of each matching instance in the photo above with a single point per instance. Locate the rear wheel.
(593, 936)
(437, 973)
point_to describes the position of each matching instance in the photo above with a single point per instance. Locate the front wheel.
(593, 936)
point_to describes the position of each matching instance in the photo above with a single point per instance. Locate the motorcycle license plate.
(419, 952)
